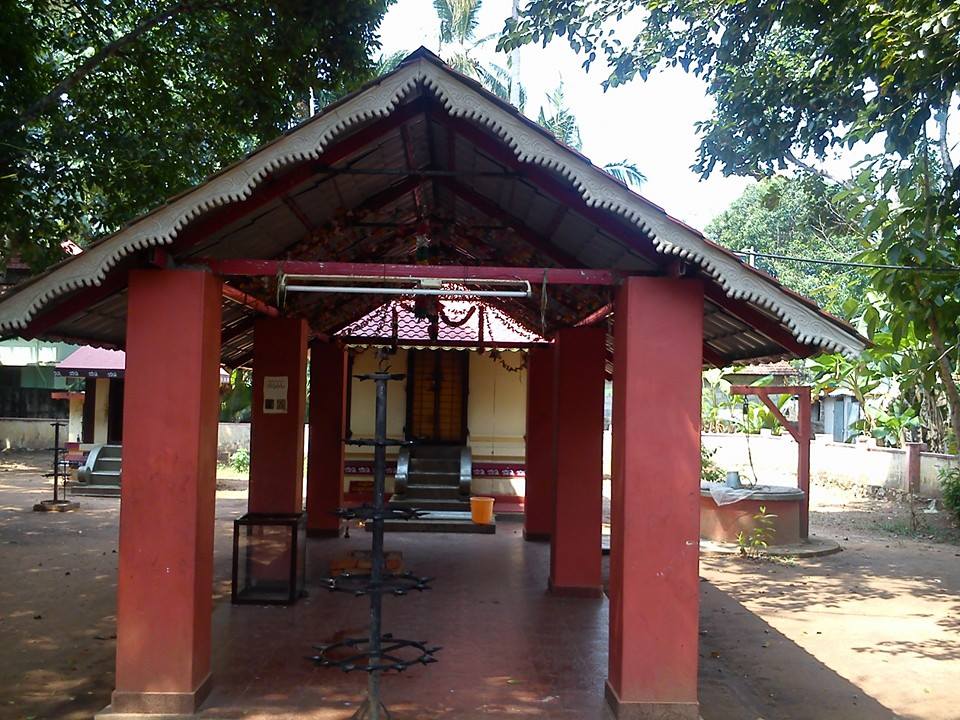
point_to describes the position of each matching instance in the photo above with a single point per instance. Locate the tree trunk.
(945, 371)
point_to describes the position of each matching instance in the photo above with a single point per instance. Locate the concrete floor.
(871, 633)
(509, 649)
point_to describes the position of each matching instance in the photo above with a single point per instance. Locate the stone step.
(432, 492)
(94, 490)
(105, 477)
(111, 451)
(449, 452)
(439, 522)
(432, 504)
(109, 463)
(433, 479)
(441, 465)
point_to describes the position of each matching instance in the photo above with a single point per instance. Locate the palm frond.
(627, 172)
(465, 65)
(385, 63)
(561, 120)
(458, 20)
(490, 79)
(500, 82)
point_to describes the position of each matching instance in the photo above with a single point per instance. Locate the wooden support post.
(801, 431)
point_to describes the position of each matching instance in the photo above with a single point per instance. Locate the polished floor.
(510, 650)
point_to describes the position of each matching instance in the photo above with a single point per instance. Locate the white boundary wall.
(27, 433)
(860, 463)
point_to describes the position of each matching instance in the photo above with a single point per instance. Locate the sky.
(650, 123)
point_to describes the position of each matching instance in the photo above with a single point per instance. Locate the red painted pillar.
(278, 414)
(655, 505)
(165, 576)
(328, 414)
(575, 554)
(541, 419)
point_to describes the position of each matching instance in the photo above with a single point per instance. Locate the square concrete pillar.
(328, 415)
(278, 415)
(654, 549)
(541, 421)
(575, 552)
(165, 576)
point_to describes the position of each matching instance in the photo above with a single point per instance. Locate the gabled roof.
(92, 362)
(456, 323)
(491, 185)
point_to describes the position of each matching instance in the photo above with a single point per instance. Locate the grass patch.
(925, 531)
(228, 472)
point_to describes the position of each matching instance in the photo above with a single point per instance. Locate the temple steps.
(433, 485)
(100, 475)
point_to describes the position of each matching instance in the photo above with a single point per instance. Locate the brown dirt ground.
(873, 632)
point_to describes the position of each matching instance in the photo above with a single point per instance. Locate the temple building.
(423, 226)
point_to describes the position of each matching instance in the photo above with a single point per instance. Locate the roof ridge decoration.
(459, 99)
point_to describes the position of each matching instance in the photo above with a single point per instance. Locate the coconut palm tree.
(458, 42)
(560, 120)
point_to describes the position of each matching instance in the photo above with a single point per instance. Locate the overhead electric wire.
(848, 263)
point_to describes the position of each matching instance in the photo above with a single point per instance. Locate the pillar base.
(155, 705)
(536, 536)
(580, 591)
(323, 532)
(648, 710)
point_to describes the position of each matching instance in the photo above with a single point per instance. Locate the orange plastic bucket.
(481, 510)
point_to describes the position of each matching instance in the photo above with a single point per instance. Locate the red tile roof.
(457, 323)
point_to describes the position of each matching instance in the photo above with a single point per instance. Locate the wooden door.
(437, 396)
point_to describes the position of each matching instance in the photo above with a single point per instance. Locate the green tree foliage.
(108, 108)
(795, 217)
(786, 74)
(237, 397)
(794, 80)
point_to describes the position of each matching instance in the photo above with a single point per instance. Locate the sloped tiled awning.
(92, 362)
(447, 324)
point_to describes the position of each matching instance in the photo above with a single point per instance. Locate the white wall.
(363, 400)
(861, 463)
(232, 437)
(101, 410)
(26, 434)
(497, 407)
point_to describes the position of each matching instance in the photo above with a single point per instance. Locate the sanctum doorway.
(437, 382)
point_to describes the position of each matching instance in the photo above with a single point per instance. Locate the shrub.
(240, 460)
(709, 470)
(755, 544)
(950, 486)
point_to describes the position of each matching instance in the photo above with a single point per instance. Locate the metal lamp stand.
(58, 504)
(379, 652)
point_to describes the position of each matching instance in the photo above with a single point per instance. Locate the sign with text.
(275, 394)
